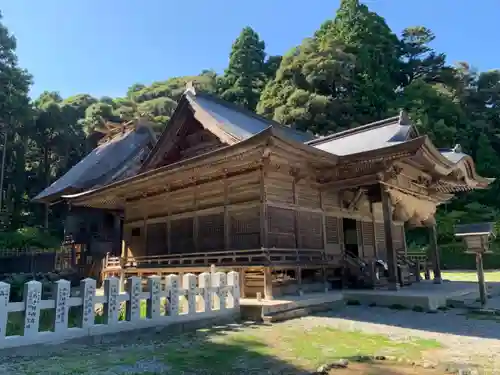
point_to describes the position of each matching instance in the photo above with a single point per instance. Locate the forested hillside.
(352, 71)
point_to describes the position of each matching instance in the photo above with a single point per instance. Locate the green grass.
(491, 276)
(286, 347)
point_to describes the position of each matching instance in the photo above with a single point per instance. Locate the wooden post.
(263, 207)
(268, 283)
(145, 230)
(389, 244)
(374, 225)
(296, 213)
(480, 278)
(325, 241)
(298, 274)
(195, 220)
(434, 250)
(227, 221)
(169, 225)
(123, 262)
(242, 282)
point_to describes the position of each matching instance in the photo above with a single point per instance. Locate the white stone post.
(32, 296)
(220, 283)
(4, 304)
(205, 286)
(61, 291)
(233, 280)
(172, 287)
(133, 305)
(189, 282)
(153, 303)
(111, 306)
(87, 292)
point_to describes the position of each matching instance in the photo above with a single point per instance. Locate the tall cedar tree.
(245, 76)
(335, 79)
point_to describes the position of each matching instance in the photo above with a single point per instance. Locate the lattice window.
(245, 229)
(380, 239)
(367, 232)
(310, 230)
(281, 228)
(157, 239)
(211, 232)
(332, 230)
(182, 235)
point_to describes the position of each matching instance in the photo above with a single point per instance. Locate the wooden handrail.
(267, 255)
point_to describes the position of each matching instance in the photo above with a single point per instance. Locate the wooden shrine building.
(92, 233)
(289, 210)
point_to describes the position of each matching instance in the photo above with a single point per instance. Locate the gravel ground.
(466, 341)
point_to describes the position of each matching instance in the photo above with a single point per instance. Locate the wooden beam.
(355, 200)
(206, 211)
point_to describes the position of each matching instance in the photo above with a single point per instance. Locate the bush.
(17, 282)
(454, 257)
(28, 237)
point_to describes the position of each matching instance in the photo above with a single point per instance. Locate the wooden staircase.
(253, 282)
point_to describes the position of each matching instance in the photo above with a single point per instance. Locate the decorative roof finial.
(190, 87)
(404, 119)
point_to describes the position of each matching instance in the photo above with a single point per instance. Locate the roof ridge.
(243, 110)
(357, 129)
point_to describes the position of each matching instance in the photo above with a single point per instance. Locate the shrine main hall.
(290, 211)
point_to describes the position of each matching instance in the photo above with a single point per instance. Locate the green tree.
(245, 77)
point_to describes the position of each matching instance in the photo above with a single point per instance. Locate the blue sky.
(102, 47)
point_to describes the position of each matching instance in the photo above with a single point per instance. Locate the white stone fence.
(205, 296)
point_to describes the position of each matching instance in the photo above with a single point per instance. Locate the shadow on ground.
(456, 321)
(205, 351)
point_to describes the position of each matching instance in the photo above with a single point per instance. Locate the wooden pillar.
(325, 243)
(268, 283)
(480, 278)
(195, 220)
(242, 283)
(168, 223)
(263, 206)
(227, 220)
(145, 230)
(298, 277)
(434, 253)
(389, 244)
(374, 226)
(295, 210)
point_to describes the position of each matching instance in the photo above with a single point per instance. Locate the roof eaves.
(356, 130)
(411, 146)
(263, 134)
